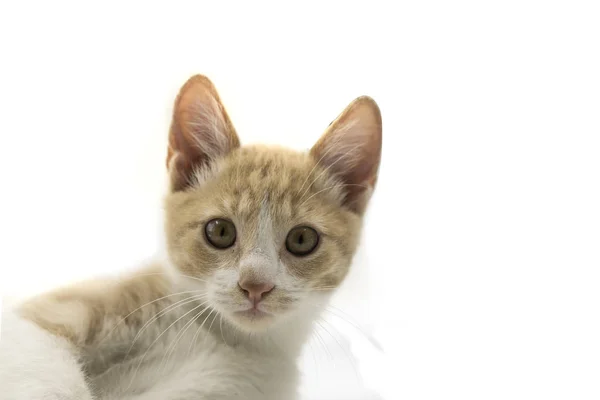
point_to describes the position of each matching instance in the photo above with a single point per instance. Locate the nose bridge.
(260, 261)
(255, 267)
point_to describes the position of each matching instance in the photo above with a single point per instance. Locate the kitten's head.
(265, 232)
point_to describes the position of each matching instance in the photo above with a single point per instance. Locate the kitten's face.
(263, 232)
(263, 194)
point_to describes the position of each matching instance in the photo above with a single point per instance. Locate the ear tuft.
(201, 131)
(350, 149)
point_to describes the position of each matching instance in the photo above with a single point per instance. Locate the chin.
(252, 320)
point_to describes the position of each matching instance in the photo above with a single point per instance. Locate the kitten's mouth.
(253, 313)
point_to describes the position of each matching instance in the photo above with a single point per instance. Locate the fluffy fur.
(37, 365)
(183, 328)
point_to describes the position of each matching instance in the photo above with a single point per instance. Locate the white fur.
(37, 365)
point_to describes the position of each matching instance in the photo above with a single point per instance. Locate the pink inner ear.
(351, 149)
(200, 131)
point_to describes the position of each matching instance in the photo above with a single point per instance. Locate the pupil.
(222, 232)
(301, 239)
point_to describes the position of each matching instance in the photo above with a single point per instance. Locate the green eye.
(220, 233)
(302, 240)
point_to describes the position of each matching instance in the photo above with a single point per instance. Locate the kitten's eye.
(302, 240)
(220, 233)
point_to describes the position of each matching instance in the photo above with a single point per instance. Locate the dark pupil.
(222, 231)
(301, 239)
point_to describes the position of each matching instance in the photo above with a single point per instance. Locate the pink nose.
(255, 290)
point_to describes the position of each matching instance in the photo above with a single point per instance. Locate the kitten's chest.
(172, 370)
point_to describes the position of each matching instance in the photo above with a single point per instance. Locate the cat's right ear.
(201, 131)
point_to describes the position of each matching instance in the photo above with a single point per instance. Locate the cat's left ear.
(201, 131)
(351, 150)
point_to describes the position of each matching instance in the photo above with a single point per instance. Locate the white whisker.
(156, 340)
(348, 356)
(139, 308)
(193, 342)
(163, 312)
(221, 329)
(180, 335)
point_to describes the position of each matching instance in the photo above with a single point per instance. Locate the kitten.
(257, 240)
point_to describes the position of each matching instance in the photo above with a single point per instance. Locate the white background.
(480, 270)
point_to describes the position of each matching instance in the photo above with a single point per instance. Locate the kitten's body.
(226, 316)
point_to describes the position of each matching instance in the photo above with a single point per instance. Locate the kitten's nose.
(255, 290)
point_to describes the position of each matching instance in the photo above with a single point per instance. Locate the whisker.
(312, 350)
(319, 289)
(139, 308)
(330, 354)
(323, 344)
(213, 321)
(221, 329)
(193, 342)
(350, 358)
(188, 300)
(350, 321)
(156, 340)
(203, 322)
(180, 335)
(357, 326)
(193, 278)
(136, 275)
